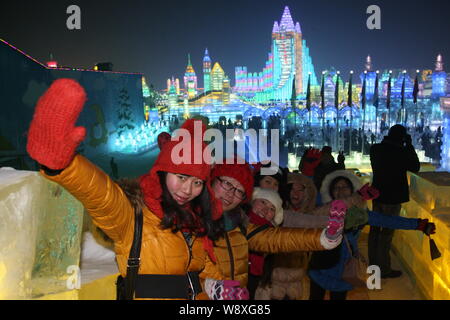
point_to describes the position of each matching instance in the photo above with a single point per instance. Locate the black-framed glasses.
(228, 186)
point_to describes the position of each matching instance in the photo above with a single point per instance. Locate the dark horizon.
(154, 38)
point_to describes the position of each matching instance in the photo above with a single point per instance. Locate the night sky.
(154, 37)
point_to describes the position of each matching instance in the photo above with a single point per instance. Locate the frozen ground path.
(401, 288)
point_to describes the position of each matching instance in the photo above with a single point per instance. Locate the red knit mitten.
(311, 161)
(53, 137)
(426, 227)
(367, 192)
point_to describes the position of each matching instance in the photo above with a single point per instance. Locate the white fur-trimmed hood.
(274, 198)
(324, 190)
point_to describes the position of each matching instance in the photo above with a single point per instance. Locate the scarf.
(155, 207)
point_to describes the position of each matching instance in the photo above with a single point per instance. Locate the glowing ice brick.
(40, 233)
(58, 241)
(428, 200)
(20, 192)
(431, 189)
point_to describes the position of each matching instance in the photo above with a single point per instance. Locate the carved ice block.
(431, 189)
(40, 230)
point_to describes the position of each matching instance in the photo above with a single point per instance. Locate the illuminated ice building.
(288, 59)
(43, 227)
(190, 80)
(410, 97)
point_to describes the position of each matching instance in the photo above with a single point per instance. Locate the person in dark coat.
(390, 160)
(327, 165)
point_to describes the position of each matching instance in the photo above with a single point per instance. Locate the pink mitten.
(367, 192)
(225, 290)
(336, 219)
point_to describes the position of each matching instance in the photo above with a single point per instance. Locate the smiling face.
(183, 188)
(269, 182)
(264, 208)
(341, 189)
(227, 197)
(298, 194)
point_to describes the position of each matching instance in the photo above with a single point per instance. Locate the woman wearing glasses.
(233, 186)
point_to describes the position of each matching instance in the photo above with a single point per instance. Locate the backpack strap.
(134, 260)
(257, 230)
(243, 229)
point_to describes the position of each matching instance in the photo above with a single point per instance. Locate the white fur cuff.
(327, 243)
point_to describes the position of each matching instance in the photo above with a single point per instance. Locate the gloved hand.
(336, 220)
(355, 218)
(426, 227)
(225, 290)
(53, 137)
(367, 192)
(311, 161)
(341, 157)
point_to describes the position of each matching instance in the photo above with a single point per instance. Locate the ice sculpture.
(429, 199)
(40, 230)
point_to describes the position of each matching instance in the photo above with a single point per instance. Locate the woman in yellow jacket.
(233, 186)
(179, 218)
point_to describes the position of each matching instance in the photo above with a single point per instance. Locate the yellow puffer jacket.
(279, 240)
(232, 251)
(162, 251)
(232, 256)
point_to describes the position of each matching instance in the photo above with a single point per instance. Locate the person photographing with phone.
(390, 161)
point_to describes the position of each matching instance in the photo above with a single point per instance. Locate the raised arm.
(412, 160)
(392, 222)
(52, 141)
(294, 219)
(279, 240)
(103, 199)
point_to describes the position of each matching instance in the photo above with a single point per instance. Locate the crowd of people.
(298, 137)
(224, 230)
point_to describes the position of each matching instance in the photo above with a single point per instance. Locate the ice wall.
(20, 192)
(429, 199)
(40, 230)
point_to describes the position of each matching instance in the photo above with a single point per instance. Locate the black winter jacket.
(390, 161)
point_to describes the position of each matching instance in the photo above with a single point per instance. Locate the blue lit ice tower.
(289, 58)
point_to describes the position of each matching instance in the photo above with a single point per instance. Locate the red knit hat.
(240, 172)
(150, 183)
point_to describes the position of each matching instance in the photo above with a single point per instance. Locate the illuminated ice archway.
(352, 114)
(252, 112)
(330, 113)
(271, 111)
(347, 111)
(285, 113)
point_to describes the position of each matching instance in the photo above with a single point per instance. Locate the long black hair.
(176, 218)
